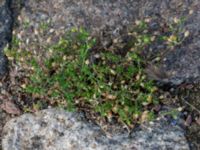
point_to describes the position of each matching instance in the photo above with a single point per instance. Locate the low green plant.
(44, 26)
(26, 24)
(112, 85)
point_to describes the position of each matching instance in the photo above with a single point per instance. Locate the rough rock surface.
(53, 129)
(104, 19)
(184, 60)
(3, 119)
(5, 33)
(107, 19)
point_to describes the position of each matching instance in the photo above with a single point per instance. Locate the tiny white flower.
(147, 20)
(87, 62)
(176, 20)
(191, 12)
(64, 58)
(23, 86)
(180, 108)
(186, 34)
(112, 72)
(137, 22)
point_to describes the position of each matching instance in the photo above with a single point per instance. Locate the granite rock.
(183, 62)
(103, 19)
(108, 19)
(53, 129)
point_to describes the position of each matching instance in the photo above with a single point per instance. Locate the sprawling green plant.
(112, 85)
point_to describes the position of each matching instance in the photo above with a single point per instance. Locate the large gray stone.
(108, 19)
(53, 129)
